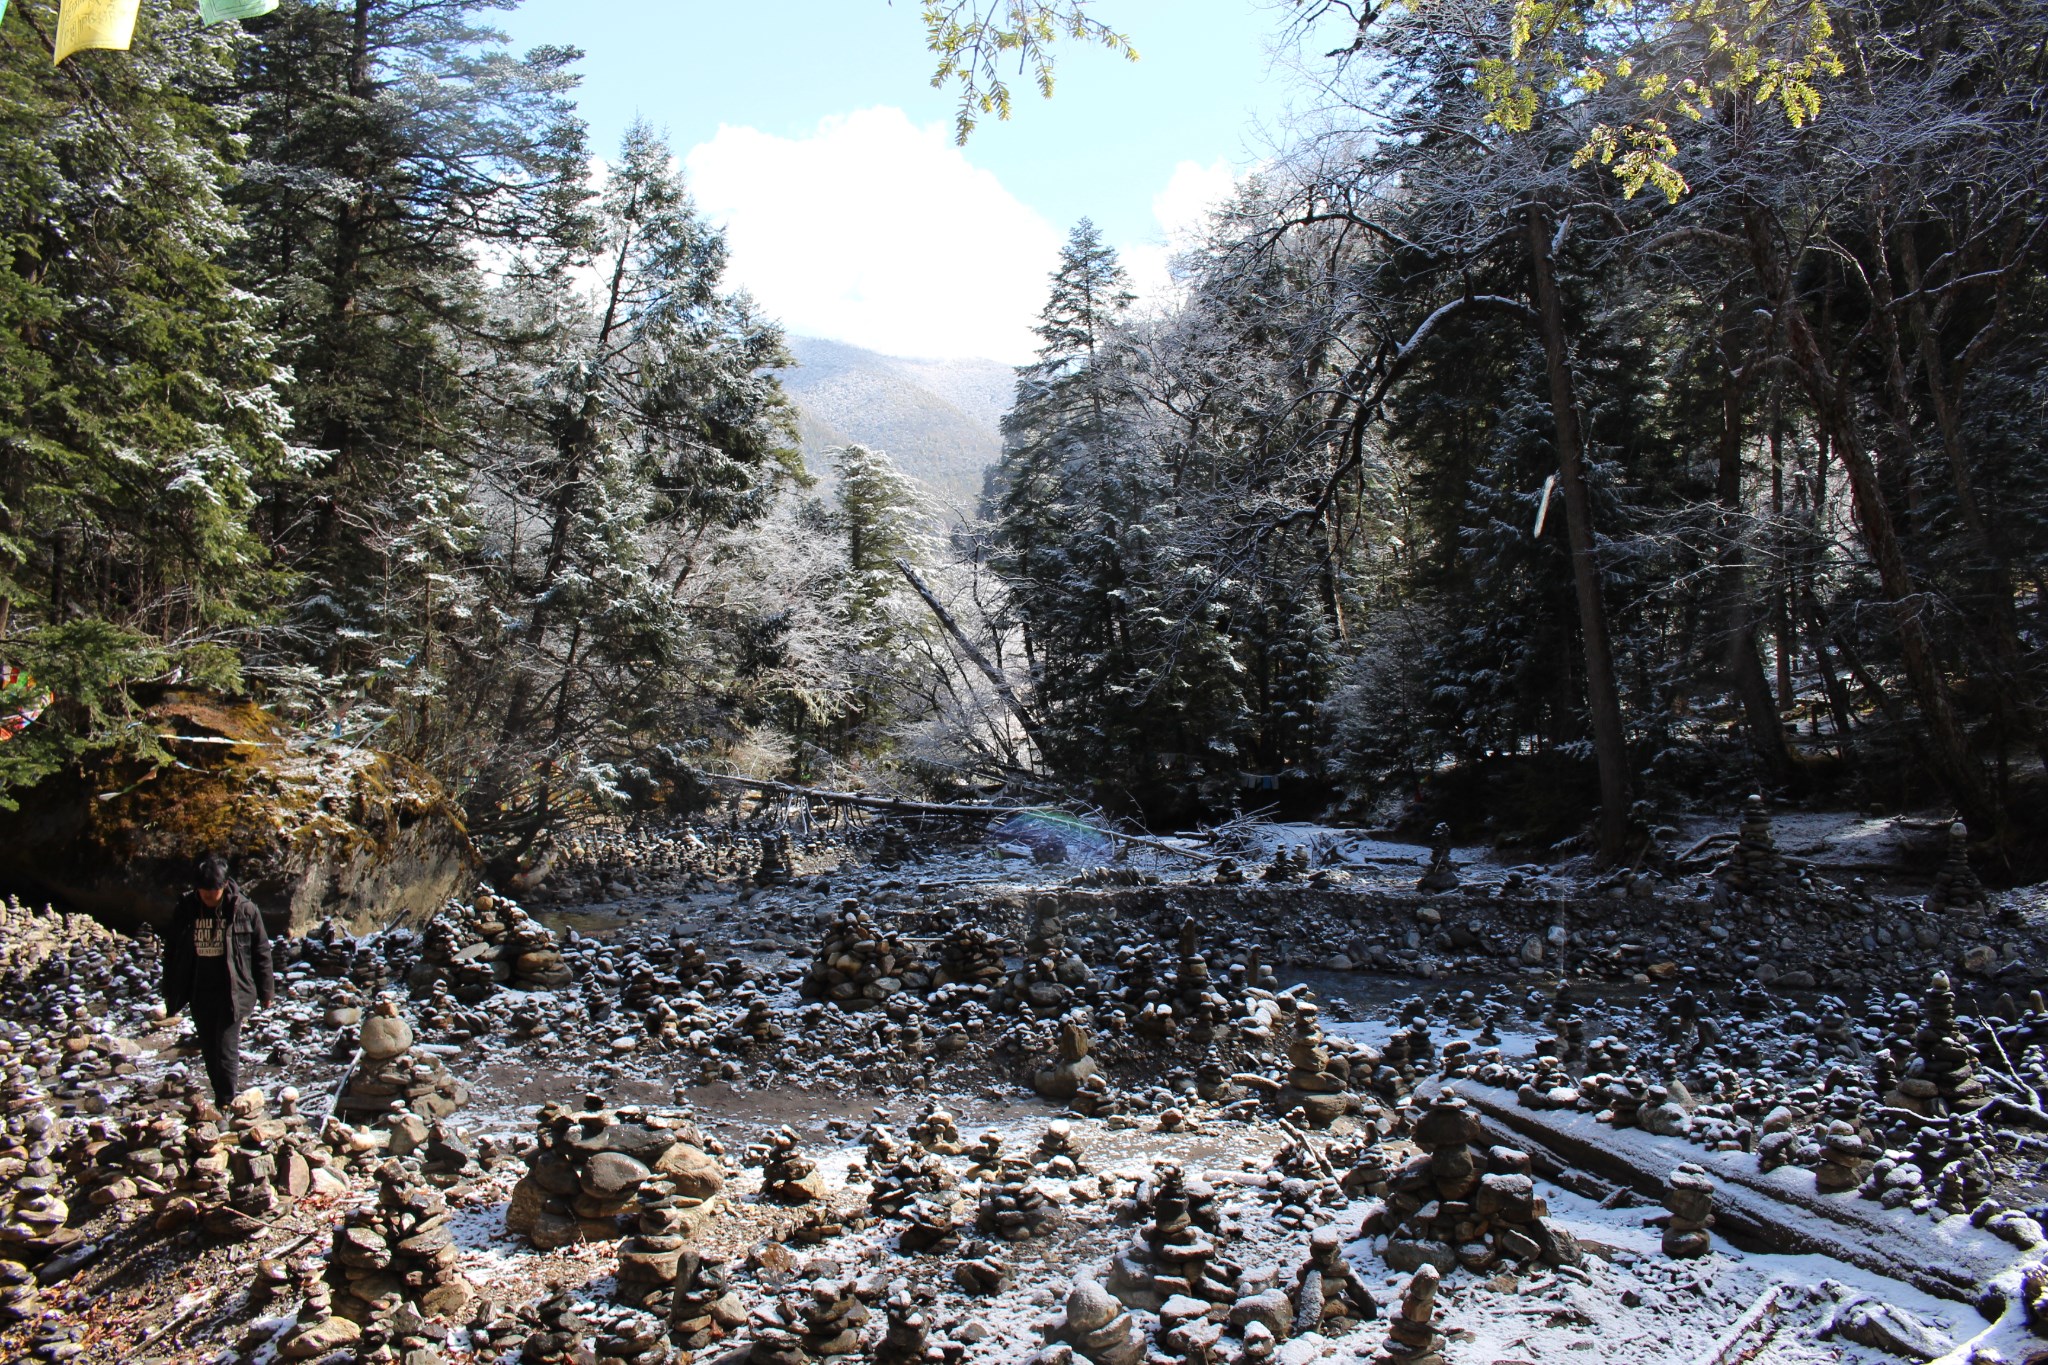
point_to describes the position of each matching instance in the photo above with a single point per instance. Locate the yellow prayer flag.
(95, 23)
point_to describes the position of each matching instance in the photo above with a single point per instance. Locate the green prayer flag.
(220, 11)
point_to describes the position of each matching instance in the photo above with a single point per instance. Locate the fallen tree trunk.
(974, 656)
(896, 805)
(1778, 1211)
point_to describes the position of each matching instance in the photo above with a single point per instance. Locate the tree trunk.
(1610, 740)
(1745, 663)
(1948, 749)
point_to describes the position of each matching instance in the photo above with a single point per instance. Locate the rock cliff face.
(311, 831)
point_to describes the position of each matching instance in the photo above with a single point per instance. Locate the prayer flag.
(95, 23)
(220, 11)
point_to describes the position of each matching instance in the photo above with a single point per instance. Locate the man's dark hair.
(211, 874)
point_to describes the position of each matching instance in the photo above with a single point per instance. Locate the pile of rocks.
(980, 1271)
(907, 1338)
(1199, 1007)
(1956, 886)
(1096, 1327)
(491, 937)
(1442, 873)
(401, 1247)
(1412, 1338)
(34, 1224)
(1315, 1081)
(657, 1256)
(969, 958)
(702, 1304)
(1444, 1207)
(588, 1167)
(1330, 1296)
(787, 1175)
(1071, 1066)
(911, 1173)
(1754, 870)
(822, 1319)
(1942, 1076)
(392, 1072)
(1013, 1207)
(859, 966)
(568, 1333)
(1171, 1255)
(1689, 1202)
(318, 1331)
(1846, 1155)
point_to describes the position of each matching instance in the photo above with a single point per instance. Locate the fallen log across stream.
(896, 805)
(1776, 1211)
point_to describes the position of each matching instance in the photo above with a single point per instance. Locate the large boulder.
(312, 829)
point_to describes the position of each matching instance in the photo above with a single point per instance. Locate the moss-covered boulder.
(311, 829)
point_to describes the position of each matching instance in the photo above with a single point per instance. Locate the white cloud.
(1182, 211)
(874, 231)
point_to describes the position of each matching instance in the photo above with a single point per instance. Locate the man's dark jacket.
(248, 955)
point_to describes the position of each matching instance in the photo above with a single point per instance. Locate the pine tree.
(638, 422)
(137, 413)
(392, 148)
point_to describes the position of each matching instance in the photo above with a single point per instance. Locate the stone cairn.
(1753, 869)
(656, 1257)
(1330, 1296)
(1412, 1338)
(1097, 1328)
(980, 1271)
(270, 1166)
(859, 966)
(1442, 873)
(20, 1299)
(1171, 1255)
(1845, 1156)
(911, 1172)
(776, 865)
(1313, 1081)
(1942, 1076)
(936, 1130)
(907, 1339)
(391, 1072)
(1057, 1153)
(33, 1227)
(703, 1306)
(1071, 1067)
(1689, 1204)
(1482, 1214)
(1013, 1208)
(401, 1248)
(318, 1329)
(1956, 886)
(822, 1319)
(589, 1166)
(787, 1175)
(1199, 1006)
(970, 959)
(568, 1333)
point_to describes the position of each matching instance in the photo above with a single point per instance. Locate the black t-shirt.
(210, 953)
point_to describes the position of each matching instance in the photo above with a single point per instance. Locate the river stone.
(1089, 1306)
(317, 1339)
(612, 1175)
(384, 1037)
(694, 1173)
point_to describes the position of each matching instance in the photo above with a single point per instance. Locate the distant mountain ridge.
(939, 419)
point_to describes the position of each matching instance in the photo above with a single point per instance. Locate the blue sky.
(810, 130)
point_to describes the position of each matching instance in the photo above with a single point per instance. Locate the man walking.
(217, 960)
